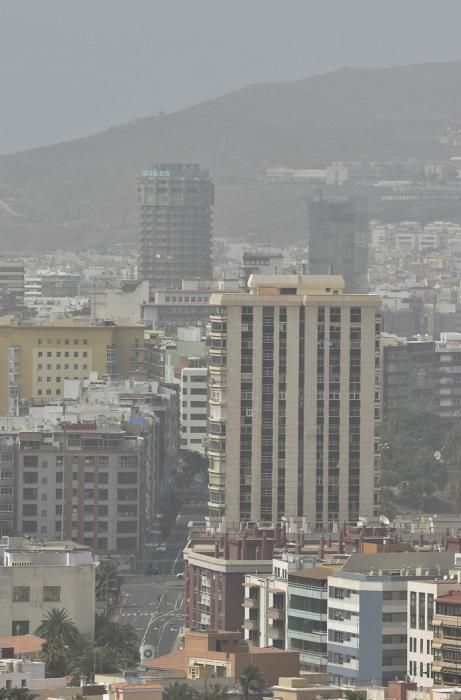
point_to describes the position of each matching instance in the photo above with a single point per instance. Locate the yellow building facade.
(36, 357)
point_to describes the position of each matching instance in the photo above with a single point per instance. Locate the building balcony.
(251, 603)
(217, 427)
(217, 379)
(217, 364)
(216, 505)
(445, 639)
(276, 614)
(217, 450)
(449, 620)
(251, 624)
(216, 482)
(449, 664)
(276, 633)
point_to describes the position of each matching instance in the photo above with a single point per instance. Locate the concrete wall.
(77, 596)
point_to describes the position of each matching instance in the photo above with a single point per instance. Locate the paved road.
(154, 605)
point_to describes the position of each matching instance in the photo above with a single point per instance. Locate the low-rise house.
(225, 655)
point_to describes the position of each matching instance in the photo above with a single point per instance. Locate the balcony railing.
(276, 633)
(250, 624)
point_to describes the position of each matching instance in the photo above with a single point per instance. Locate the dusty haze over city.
(69, 69)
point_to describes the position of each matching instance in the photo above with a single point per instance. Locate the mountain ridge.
(82, 192)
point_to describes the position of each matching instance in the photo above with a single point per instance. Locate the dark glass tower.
(175, 203)
(338, 240)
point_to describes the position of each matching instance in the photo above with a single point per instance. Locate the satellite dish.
(437, 455)
(445, 578)
(383, 520)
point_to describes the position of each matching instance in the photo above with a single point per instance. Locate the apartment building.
(446, 667)
(113, 434)
(266, 599)
(409, 377)
(189, 306)
(215, 570)
(60, 284)
(37, 357)
(84, 481)
(422, 641)
(8, 470)
(294, 402)
(11, 286)
(367, 614)
(37, 575)
(175, 202)
(423, 372)
(307, 617)
(448, 375)
(194, 408)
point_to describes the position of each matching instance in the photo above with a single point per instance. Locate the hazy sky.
(73, 67)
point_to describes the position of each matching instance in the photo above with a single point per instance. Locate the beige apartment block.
(38, 576)
(36, 357)
(294, 402)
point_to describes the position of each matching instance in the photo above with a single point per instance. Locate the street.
(154, 604)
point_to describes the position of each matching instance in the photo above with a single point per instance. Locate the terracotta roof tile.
(174, 661)
(23, 643)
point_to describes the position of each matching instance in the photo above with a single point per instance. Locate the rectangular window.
(128, 462)
(19, 627)
(21, 594)
(51, 594)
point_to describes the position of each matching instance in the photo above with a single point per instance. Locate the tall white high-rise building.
(294, 402)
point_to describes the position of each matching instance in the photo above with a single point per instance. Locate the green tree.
(58, 628)
(412, 477)
(451, 454)
(121, 638)
(17, 694)
(108, 582)
(179, 691)
(356, 695)
(54, 654)
(252, 681)
(91, 659)
(215, 691)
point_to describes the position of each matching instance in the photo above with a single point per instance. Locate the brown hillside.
(81, 192)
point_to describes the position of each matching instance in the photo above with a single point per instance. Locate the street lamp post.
(105, 584)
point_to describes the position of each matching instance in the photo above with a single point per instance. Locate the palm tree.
(53, 653)
(178, 691)
(121, 638)
(16, 694)
(108, 582)
(215, 691)
(252, 680)
(57, 627)
(87, 658)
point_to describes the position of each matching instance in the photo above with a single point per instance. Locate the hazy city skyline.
(71, 69)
